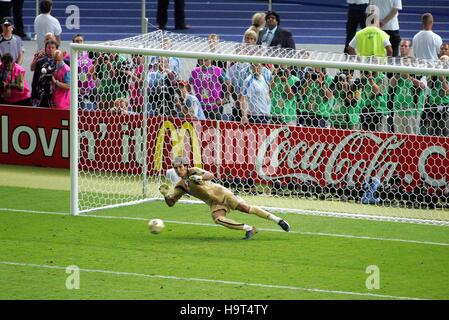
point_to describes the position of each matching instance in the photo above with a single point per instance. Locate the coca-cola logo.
(346, 162)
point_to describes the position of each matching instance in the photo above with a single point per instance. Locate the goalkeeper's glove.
(196, 178)
(164, 189)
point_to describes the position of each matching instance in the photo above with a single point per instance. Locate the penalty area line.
(214, 281)
(321, 234)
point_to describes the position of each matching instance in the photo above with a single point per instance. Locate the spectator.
(174, 63)
(5, 9)
(207, 82)
(162, 15)
(77, 38)
(61, 82)
(284, 89)
(136, 84)
(371, 41)
(123, 70)
(435, 115)
(14, 88)
(41, 53)
(257, 22)
(106, 70)
(213, 40)
(444, 50)
(317, 98)
(426, 43)
(250, 37)
(161, 86)
(86, 85)
(356, 17)
(343, 113)
(388, 14)
(17, 12)
(373, 102)
(41, 91)
(273, 35)
(45, 23)
(120, 106)
(255, 102)
(239, 71)
(409, 96)
(10, 43)
(188, 103)
(405, 48)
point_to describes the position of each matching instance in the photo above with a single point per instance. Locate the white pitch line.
(336, 235)
(226, 282)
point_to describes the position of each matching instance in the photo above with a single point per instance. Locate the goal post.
(291, 130)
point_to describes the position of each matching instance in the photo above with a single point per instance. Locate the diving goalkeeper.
(197, 182)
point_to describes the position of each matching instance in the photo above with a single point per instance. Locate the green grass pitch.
(117, 257)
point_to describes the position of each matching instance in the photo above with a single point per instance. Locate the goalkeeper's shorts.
(230, 202)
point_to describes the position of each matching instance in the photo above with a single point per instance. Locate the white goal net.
(294, 130)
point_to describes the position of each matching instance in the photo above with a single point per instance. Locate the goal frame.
(293, 58)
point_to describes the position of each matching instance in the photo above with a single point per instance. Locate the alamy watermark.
(73, 20)
(73, 279)
(373, 280)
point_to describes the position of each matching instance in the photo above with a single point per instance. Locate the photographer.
(408, 102)
(317, 98)
(343, 113)
(14, 89)
(435, 115)
(111, 80)
(61, 82)
(373, 102)
(284, 88)
(188, 104)
(41, 89)
(161, 89)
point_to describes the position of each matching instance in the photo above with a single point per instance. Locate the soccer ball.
(156, 226)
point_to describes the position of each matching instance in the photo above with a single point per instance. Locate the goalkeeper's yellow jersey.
(208, 191)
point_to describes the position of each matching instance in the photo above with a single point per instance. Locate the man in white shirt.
(10, 43)
(356, 17)
(426, 43)
(45, 23)
(388, 14)
(405, 48)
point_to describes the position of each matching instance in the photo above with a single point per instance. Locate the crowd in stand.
(240, 91)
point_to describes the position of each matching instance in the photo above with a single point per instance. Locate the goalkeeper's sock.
(231, 224)
(264, 214)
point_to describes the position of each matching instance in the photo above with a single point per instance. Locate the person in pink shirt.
(61, 82)
(207, 81)
(14, 89)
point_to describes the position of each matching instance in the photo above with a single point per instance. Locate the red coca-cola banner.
(330, 156)
(265, 153)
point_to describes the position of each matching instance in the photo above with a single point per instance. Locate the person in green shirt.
(408, 102)
(317, 98)
(343, 114)
(371, 41)
(110, 72)
(284, 88)
(372, 105)
(435, 116)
